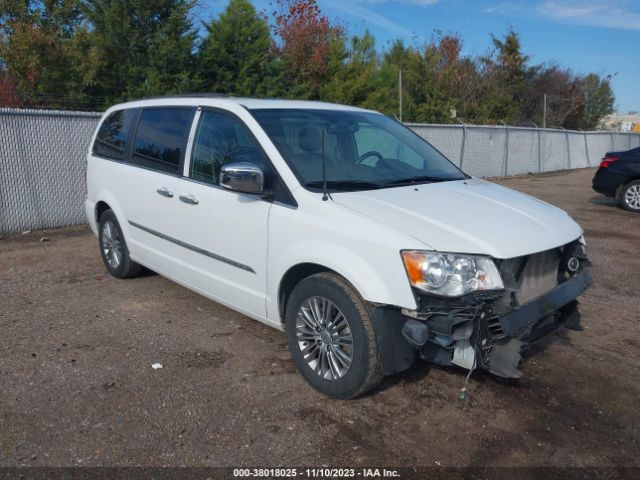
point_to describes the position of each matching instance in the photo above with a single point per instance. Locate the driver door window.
(221, 139)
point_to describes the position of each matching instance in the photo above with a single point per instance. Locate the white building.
(622, 122)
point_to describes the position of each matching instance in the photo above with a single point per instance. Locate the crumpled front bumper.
(533, 311)
(533, 321)
(437, 338)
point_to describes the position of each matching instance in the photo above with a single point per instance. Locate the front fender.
(385, 283)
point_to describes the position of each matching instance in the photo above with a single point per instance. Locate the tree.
(235, 57)
(564, 99)
(144, 46)
(92, 53)
(352, 78)
(451, 78)
(383, 95)
(44, 51)
(436, 79)
(310, 47)
(399, 57)
(9, 96)
(507, 68)
(598, 100)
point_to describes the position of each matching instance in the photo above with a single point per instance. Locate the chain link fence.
(42, 159)
(42, 164)
(494, 151)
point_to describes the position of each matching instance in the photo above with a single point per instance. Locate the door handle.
(164, 192)
(189, 199)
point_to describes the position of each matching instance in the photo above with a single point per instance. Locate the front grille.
(525, 279)
(529, 276)
(540, 275)
(494, 328)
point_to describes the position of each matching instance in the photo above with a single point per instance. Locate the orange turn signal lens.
(413, 265)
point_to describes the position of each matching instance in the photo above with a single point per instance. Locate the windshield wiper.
(345, 184)
(420, 179)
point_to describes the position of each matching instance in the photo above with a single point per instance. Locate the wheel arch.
(367, 285)
(633, 178)
(627, 181)
(293, 276)
(101, 207)
(384, 282)
(105, 200)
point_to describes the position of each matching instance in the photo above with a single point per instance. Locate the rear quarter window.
(112, 135)
(161, 138)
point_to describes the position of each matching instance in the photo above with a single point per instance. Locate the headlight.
(451, 274)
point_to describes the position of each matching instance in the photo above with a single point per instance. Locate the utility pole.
(544, 112)
(400, 92)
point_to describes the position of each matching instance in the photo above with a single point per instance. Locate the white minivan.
(337, 225)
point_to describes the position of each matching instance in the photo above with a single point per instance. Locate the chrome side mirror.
(242, 177)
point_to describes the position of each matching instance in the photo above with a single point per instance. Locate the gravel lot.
(78, 388)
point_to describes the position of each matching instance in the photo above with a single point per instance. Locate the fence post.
(611, 135)
(629, 142)
(566, 136)
(586, 148)
(506, 148)
(539, 151)
(464, 139)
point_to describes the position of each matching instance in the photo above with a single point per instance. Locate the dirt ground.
(77, 387)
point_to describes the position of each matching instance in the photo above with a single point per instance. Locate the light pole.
(400, 92)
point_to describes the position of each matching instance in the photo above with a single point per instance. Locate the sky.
(601, 36)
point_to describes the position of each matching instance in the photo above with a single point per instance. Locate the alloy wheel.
(632, 197)
(111, 245)
(324, 338)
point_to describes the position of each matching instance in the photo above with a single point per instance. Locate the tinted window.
(221, 139)
(112, 136)
(161, 138)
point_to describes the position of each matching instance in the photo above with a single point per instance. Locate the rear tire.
(113, 248)
(331, 337)
(630, 196)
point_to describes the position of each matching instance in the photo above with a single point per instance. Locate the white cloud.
(357, 10)
(506, 7)
(422, 3)
(570, 10)
(607, 14)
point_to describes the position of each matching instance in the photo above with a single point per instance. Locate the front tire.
(331, 337)
(113, 248)
(630, 196)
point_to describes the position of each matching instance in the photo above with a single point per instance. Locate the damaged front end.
(489, 329)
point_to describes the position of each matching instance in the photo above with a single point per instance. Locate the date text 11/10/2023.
(316, 473)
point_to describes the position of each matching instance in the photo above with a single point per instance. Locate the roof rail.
(186, 95)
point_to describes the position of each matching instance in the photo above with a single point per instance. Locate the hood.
(467, 216)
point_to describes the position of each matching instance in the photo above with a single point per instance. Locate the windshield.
(362, 150)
